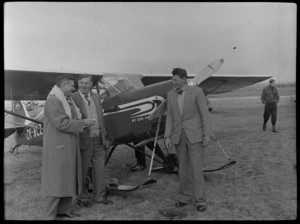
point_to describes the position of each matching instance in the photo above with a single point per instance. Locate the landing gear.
(89, 181)
(171, 166)
(15, 149)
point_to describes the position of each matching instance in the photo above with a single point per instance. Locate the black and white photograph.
(150, 111)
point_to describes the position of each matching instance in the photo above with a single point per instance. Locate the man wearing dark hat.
(270, 99)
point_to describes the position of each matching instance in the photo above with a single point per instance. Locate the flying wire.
(22, 125)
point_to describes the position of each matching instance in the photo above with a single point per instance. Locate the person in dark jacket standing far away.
(188, 128)
(61, 161)
(270, 98)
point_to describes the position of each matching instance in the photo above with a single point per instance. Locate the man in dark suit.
(188, 128)
(92, 141)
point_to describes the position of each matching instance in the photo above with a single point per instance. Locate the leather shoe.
(84, 203)
(105, 201)
(68, 215)
(201, 208)
(274, 130)
(75, 208)
(137, 167)
(180, 204)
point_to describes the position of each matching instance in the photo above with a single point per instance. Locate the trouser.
(94, 154)
(191, 177)
(57, 205)
(270, 110)
(141, 158)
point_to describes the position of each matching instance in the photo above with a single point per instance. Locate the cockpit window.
(113, 85)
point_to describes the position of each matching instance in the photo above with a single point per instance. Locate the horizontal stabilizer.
(9, 131)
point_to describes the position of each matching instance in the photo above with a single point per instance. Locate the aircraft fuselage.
(125, 116)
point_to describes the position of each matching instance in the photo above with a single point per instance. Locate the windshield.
(110, 86)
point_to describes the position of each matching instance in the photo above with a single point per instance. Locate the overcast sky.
(252, 38)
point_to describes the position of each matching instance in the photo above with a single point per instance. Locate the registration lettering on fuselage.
(34, 132)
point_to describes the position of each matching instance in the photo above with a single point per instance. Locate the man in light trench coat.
(61, 161)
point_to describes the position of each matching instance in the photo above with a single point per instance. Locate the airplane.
(128, 101)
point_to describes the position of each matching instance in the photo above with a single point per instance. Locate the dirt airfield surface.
(262, 185)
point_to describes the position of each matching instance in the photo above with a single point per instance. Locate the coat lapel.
(175, 99)
(98, 108)
(186, 100)
(80, 103)
(100, 116)
(97, 103)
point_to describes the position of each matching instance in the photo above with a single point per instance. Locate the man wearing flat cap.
(270, 98)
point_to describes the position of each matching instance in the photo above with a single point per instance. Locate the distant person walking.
(61, 162)
(270, 98)
(188, 128)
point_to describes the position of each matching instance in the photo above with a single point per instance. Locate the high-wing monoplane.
(132, 104)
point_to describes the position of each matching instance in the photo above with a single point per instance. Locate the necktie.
(180, 92)
(87, 99)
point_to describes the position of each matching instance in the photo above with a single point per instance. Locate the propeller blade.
(206, 72)
(160, 110)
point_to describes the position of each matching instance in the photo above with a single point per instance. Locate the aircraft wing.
(36, 85)
(217, 84)
(33, 85)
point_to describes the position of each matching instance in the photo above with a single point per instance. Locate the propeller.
(206, 72)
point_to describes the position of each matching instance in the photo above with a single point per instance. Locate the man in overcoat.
(188, 128)
(93, 142)
(61, 161)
